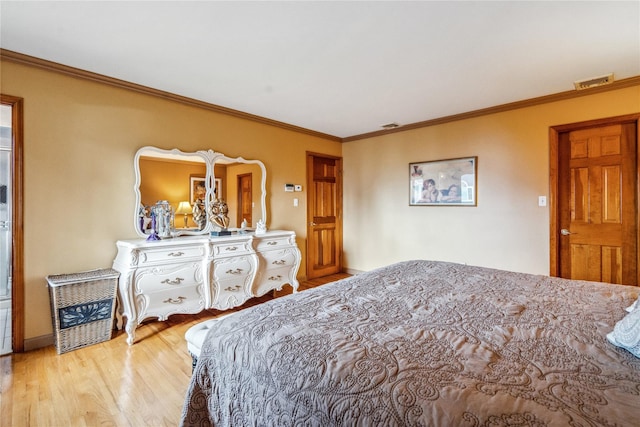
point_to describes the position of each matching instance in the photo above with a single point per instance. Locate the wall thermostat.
(289, 187)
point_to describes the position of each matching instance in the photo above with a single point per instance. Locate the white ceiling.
(340, 68)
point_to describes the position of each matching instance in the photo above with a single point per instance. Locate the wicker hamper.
(82, 307)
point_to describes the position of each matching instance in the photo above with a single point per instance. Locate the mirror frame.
(209, 158)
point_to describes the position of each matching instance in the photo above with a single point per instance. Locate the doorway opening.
(11, 226)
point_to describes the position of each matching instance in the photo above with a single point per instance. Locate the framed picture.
(198, 189)
(218, 189)
(450, 182)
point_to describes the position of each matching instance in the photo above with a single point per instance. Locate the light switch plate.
(542, 200)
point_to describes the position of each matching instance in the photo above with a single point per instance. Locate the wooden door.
(245, 199)
(597, 203)
(324, 215)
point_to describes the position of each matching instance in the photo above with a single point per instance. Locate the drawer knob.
(278, 277)
(272, 243)
(231, 248)
(232, 288)
(175, 301)
(175, 254)
(279, 262)
(172, 282)
(236, 271)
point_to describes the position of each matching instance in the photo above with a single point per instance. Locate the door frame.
(17, 226)
(554, 211)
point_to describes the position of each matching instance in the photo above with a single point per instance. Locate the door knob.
(313, 224)
(565, 232)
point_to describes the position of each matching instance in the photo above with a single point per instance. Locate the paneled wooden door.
(245, 199)
(597, 212)
(324, 215)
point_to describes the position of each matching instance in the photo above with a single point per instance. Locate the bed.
(423, 343)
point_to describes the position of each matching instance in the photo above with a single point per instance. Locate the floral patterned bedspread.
(422, 343)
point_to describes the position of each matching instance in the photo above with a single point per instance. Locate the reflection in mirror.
(176, 177)
(239, 184)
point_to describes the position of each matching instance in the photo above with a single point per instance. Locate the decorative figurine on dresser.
(193, 269)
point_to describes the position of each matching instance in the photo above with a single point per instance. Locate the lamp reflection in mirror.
(184, 208)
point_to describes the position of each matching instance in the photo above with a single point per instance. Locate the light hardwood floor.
(110, 383)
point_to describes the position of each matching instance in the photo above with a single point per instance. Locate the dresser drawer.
(168, 276)
(162, 304)
(233, 248)
(268, 280)
(237, 268)
(170, 254)
(272, 243)
(231, 293)
(278, 259)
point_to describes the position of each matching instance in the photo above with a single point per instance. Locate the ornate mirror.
(169, 183)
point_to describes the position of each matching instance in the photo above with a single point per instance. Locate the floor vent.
(593, 82)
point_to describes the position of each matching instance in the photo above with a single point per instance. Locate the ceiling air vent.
(593, 82)
(390, 126)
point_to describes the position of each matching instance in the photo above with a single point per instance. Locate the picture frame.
(197, 188)
(218, 189)
(447, 182)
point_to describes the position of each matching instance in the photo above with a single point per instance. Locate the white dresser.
(191, 274)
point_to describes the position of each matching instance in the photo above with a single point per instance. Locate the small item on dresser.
(144, 215)
(218, 216)
(153, 235)
(164, 218)
(243, 226)
(261, 227)
(82, 307)
(199, 214)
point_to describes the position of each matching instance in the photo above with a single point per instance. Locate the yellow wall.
(506, 230)
(80, 138)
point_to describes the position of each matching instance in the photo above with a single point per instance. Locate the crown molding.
(20, 58)
(620, 84)
(23, 59)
